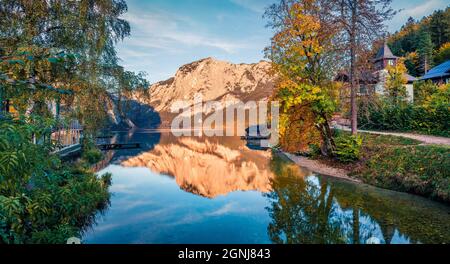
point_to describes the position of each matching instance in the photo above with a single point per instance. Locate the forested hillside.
(424, 43)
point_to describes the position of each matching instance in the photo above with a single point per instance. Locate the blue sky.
(166, 34)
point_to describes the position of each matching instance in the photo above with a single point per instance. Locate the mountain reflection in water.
(250, 196)
(207, 167)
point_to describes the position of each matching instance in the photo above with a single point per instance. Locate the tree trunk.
(354, 111)
(1, 100)
(329, 145)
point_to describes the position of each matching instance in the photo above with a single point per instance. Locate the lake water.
(221, 190)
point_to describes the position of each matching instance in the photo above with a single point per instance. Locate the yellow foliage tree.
(396, 81)
(306, 94)
(443, 54)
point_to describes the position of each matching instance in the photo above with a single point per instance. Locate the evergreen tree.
(440, 28)
(425, 50)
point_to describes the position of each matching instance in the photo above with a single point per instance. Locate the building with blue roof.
(439, 74)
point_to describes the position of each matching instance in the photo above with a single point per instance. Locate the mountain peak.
(216, 80)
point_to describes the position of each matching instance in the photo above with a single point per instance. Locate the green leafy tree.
(41, 199)
(54, 51)
(85, 31)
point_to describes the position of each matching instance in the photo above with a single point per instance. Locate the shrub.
(423, 90)
(43, 200)
(314, 150)
(92, 155)
(422, 170)
(431, 116)
(348, 148)
(107, 179)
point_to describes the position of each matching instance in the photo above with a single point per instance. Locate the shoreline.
(319, 167)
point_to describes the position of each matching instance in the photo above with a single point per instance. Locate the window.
(391, 62)
(363, 89)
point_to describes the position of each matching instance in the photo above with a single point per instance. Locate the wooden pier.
(255, 138)
(116, 146)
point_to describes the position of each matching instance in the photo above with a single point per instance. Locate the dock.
(116, 146)
(69, 151)
(255, 138)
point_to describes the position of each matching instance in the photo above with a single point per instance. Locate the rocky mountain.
(216, 80)
(133, 114)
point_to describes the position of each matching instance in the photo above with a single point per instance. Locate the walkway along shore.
(425, 139)
(319, 167)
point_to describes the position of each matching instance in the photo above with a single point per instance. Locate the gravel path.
(429, 140)
(324, 169)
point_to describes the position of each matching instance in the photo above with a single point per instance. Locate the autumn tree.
(361, 22)
(301, 55)
(443, 54)
(396, 81)
(64, 45)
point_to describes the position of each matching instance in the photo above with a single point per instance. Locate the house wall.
(379, 87)
(410, 92)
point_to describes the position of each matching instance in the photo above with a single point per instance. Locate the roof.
(385, 53)
(439, 71)
(410, 78)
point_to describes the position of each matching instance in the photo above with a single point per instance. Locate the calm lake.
(221, 190)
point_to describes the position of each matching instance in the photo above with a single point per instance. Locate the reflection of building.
(439, 74)
(373, 81)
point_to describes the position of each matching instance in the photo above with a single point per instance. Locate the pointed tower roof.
(384, 53)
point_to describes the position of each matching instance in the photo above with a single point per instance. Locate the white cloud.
(411, 9)
(162, 31)
(424, 9)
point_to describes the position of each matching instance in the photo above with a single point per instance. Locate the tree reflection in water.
(307, 209)
(300, 209)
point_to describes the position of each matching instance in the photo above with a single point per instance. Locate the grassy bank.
(401, 164)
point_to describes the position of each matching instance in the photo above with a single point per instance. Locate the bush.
(43, 200)
(431, 116)
(423, 90)
(422, 170)
(92, 155)
(314, 150)
(348, 148)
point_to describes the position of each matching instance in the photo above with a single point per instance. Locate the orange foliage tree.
(301, 57)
